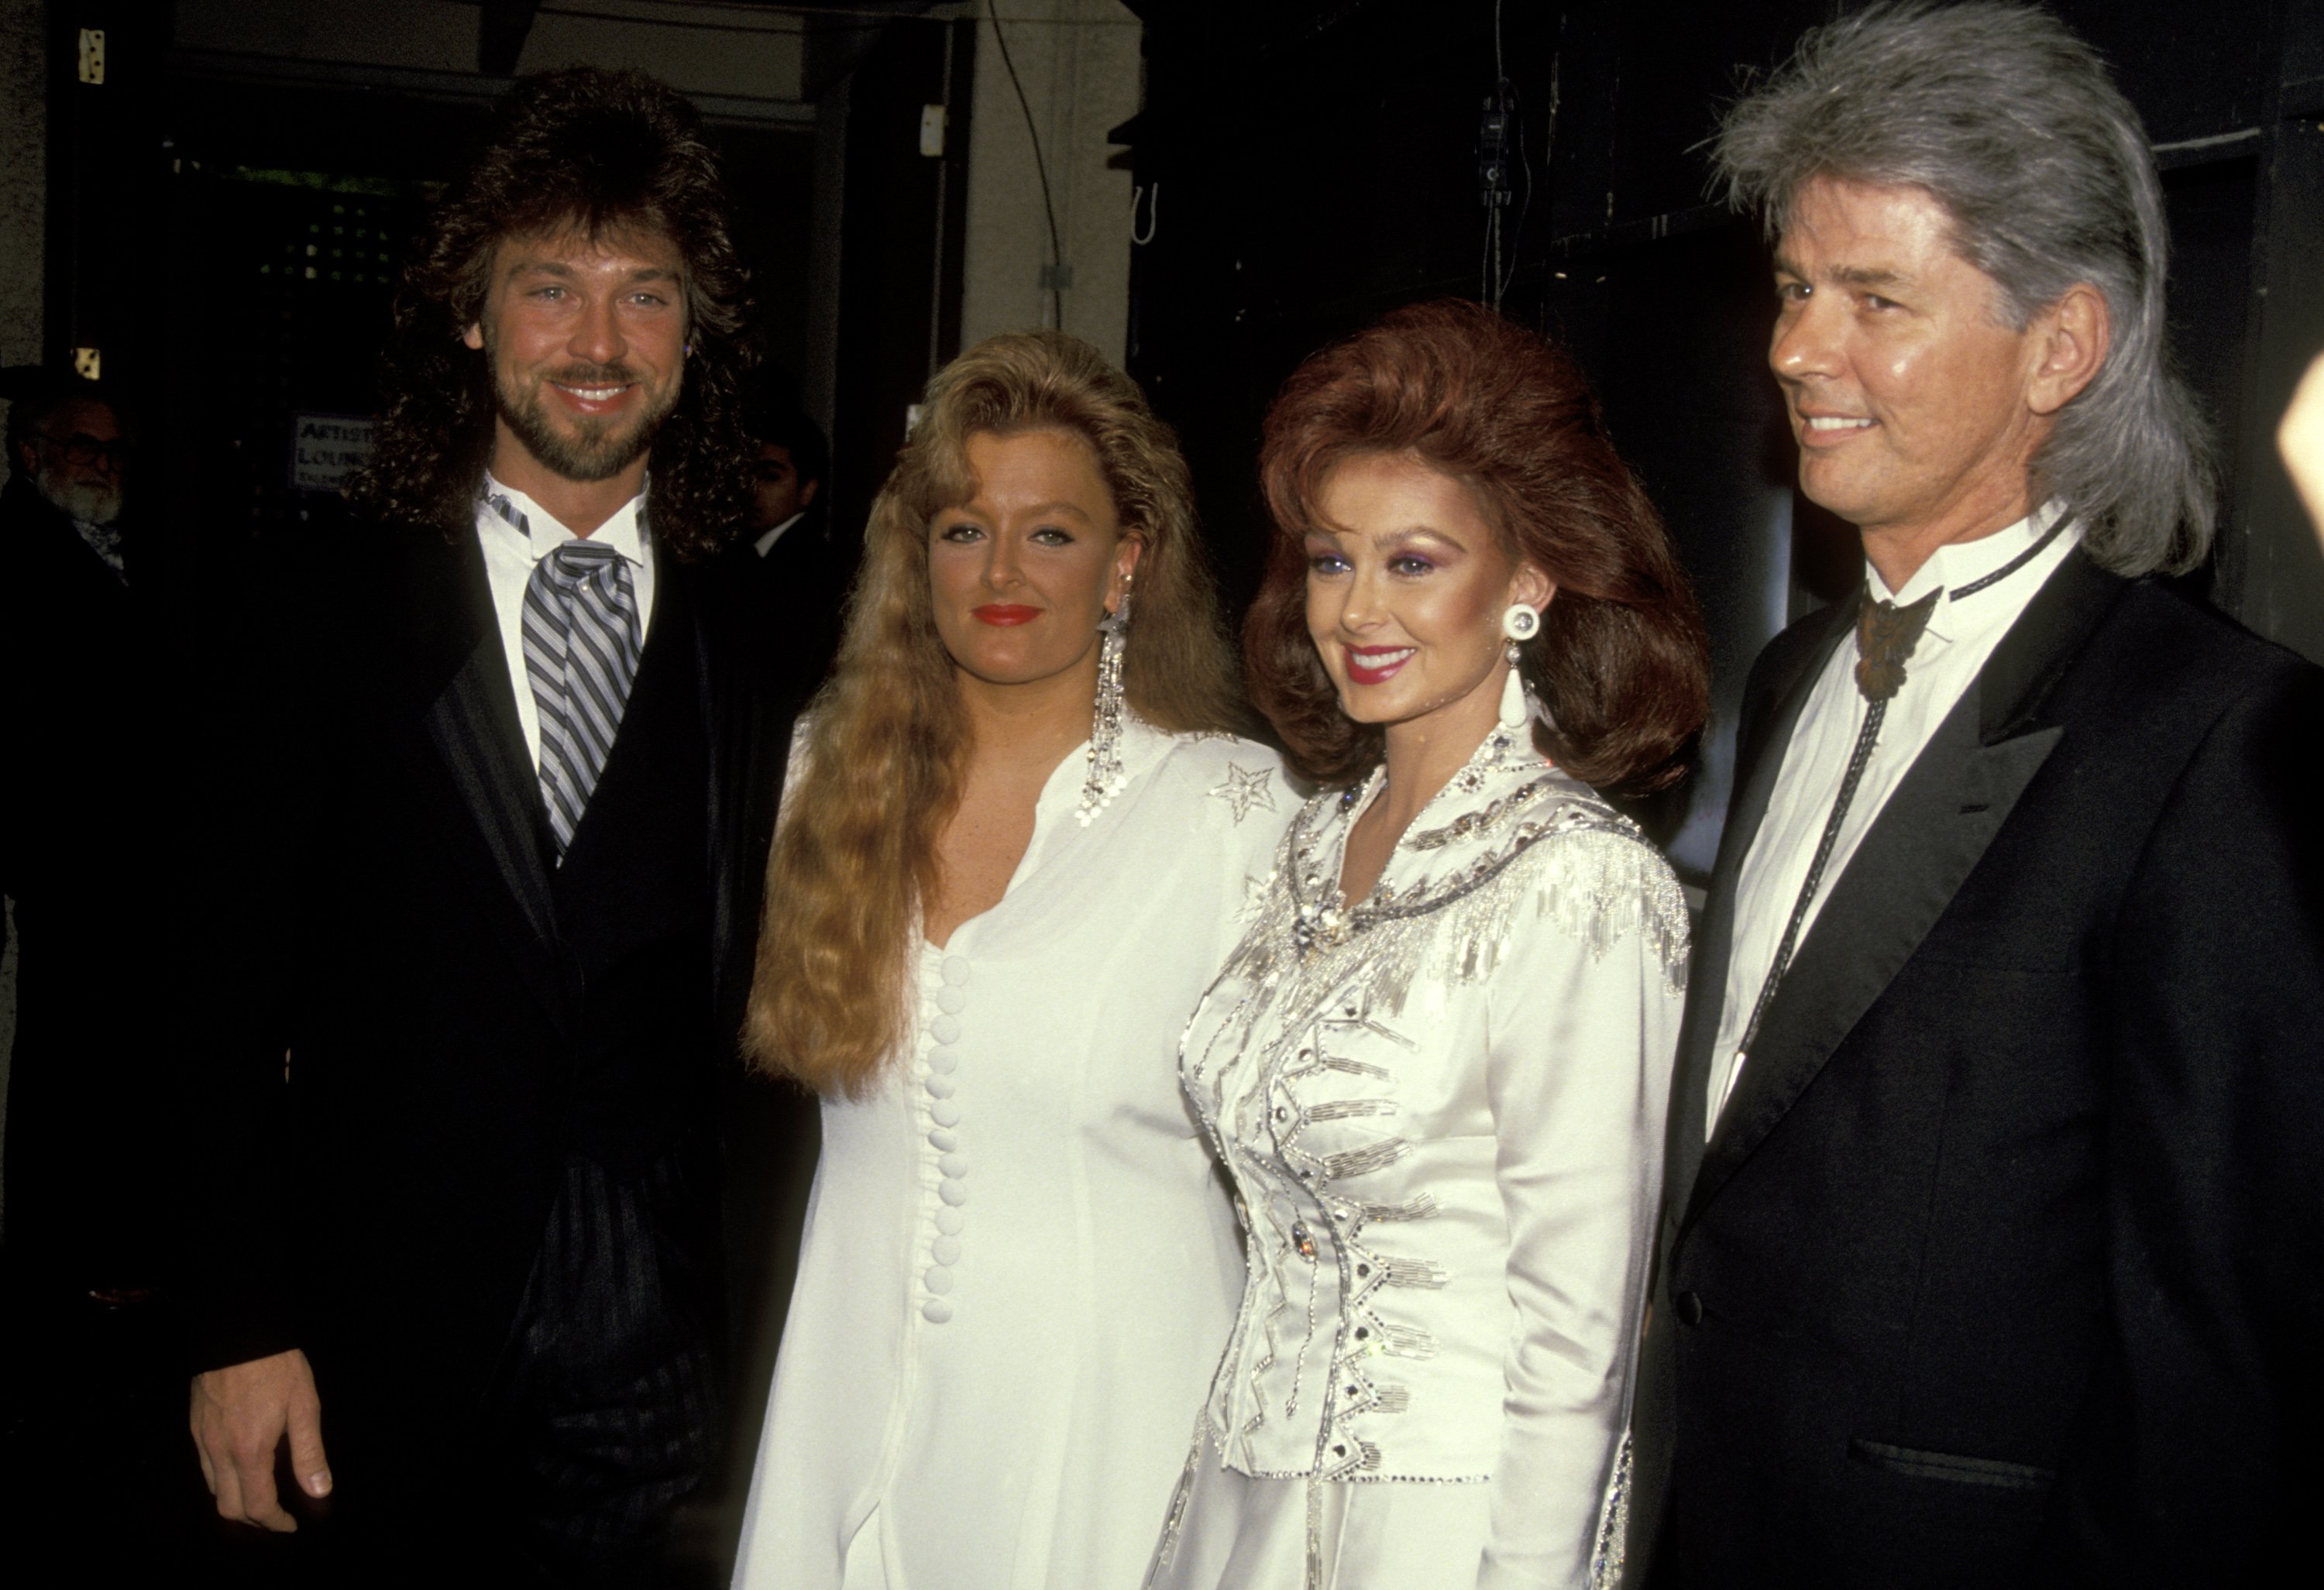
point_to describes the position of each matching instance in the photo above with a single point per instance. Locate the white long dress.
(1443, 1111)
(1018, 1262)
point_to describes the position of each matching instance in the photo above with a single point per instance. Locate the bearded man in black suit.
(488, 868)
(1995, 1176)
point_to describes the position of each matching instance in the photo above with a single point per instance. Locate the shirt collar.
(504, 511)
(1959, 564)
(767, 540)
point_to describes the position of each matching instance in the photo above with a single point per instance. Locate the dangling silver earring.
(1104, 781)
(1519, 623)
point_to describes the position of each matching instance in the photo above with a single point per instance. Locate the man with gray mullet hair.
(1995, 1189)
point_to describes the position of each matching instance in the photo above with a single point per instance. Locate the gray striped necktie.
(581, 648)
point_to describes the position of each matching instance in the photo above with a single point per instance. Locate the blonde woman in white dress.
(1436, 1066)
(1015, 846)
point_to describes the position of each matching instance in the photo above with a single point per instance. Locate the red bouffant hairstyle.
(1620, 658)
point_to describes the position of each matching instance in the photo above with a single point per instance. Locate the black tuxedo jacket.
(459, 1013)
(2002, 1267)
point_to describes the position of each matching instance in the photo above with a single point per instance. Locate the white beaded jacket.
(1443, 1112)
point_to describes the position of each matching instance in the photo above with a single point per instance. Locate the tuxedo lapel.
(469, 715)
(1905, 872)
(725, 760)
(467, 722)
(743, 730)
(1911, 862)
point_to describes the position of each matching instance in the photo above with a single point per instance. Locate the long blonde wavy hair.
(889, 738)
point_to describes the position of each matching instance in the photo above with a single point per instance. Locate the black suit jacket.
(460, 1015)
(2002, 1265)
(798, 593)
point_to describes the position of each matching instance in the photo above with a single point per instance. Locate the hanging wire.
(1525, 202)
(1495, 279)
(1488, 261)
(1056, 309)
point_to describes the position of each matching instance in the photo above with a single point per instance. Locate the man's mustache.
(594, 375)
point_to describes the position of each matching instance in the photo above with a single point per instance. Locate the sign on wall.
(327, 448)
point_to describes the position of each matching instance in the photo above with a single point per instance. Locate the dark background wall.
(1305, 172)
(179, 188)
(1300, 168)
(227, 227)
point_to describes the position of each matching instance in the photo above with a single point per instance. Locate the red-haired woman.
(1437, 1064)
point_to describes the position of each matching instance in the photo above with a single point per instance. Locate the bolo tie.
(1885, 635)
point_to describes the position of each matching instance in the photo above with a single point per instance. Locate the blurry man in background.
(94, 700)
(787, 476)
(799, 570)
(64, 442)
(80, 680)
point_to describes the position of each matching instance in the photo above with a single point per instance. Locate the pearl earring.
(1519, 623)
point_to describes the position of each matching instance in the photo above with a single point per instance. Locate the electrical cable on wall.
(1501, 132)
(1525, 196)
(1053, 281)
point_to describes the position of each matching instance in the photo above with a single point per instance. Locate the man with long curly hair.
(489, 852)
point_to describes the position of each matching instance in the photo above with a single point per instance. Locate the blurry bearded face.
(75, 461)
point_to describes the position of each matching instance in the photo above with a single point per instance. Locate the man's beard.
(89, 502)
(593, 449)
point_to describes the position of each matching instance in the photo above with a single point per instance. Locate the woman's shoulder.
(1216, 748)
(1244, 779)
(1596, 876)
(1571, 810)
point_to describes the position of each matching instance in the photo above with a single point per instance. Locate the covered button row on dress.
(942, 1086)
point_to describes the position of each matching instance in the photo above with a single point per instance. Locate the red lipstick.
(1385, 661)
(1006, 614)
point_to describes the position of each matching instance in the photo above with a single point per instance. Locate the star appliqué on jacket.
(1245, 789)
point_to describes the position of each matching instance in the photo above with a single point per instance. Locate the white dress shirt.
(104, 540)
(766, 543)
(1950, 653)
(510, 557)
